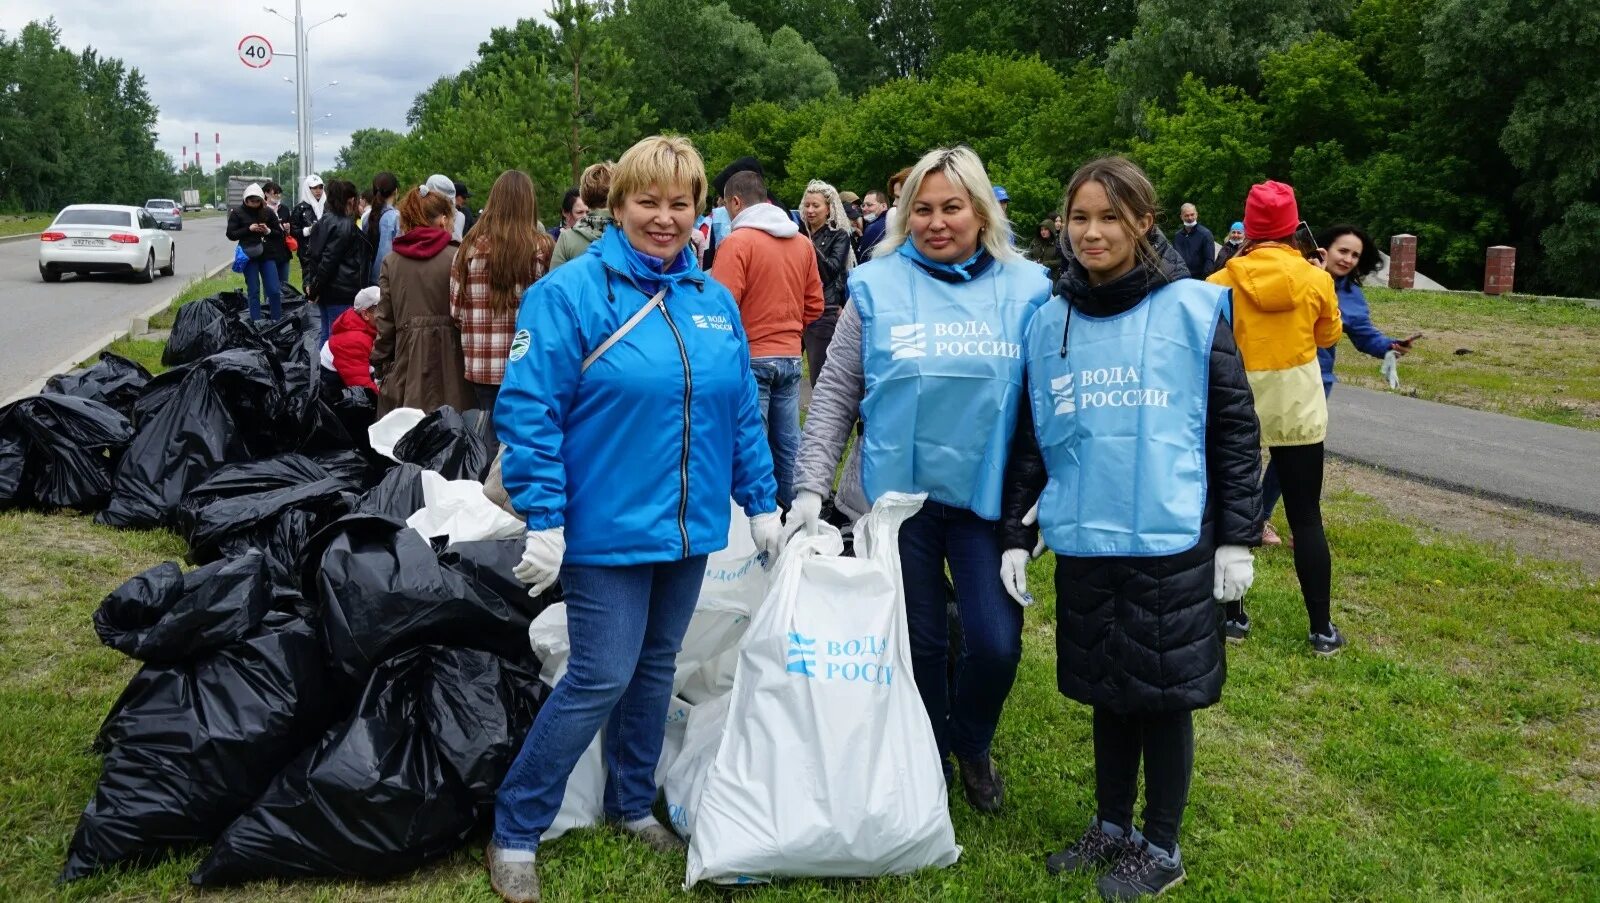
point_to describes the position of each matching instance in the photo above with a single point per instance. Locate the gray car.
(168, 214)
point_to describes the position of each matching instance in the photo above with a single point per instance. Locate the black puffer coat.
(1143, 634)
(336, 260)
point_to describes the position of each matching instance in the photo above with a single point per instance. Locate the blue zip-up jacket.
(1357, 317)
(638, 455)
(388, 228)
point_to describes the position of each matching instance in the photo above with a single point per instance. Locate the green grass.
(1528, 358)
(1449, 754)
(24, 223)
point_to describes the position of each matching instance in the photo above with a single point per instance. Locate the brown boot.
(515, 882)
(985, 789)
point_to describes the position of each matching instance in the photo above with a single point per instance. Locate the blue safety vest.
(1121, 421)
(943, 373)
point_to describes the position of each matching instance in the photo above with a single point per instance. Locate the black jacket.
(1198, 250)
(871, 234)
(301, 219)
(1142, 634)
(336, 261)
(833, 261)
(241, 218)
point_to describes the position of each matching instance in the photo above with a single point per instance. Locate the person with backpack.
(628, 414)
(1136, 455)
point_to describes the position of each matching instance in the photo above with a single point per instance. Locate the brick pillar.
(1402, 261)
(1499, 270)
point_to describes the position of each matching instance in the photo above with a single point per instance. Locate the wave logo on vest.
(910, 340)
(1121, 389)
(802, 654)
(1062, 392)
(712, 321)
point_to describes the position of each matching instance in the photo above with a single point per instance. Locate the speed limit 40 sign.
(255, 51)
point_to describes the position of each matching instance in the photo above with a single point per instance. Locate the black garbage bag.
(190, 745)
(224, 410)
(445, 442)
(115, 382)
(398, 495)
(488, 567)
(348, 464)
(377, 589)
(164, 616)
(403, 781)
(205, 327)
(59, 451)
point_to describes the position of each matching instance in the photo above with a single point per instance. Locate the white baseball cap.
(313, 181)
(441, 184)
(367, 297)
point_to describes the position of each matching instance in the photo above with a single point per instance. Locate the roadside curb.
(23, 237)
(136, 325)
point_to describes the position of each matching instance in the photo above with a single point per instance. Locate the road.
(1555, 468)
(40, 325)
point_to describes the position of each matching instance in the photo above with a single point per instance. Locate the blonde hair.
(836, 215)
(964, 170)
(666, 161)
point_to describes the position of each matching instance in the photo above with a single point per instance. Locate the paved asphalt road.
(40, 325)
(1556, 468)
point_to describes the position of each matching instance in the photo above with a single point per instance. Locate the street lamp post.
(302, 93)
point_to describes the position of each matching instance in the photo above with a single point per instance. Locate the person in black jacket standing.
(1137, 455)
(1195, 243)
(337, 256)
(822, 217)
(305, 215)
(256, 229)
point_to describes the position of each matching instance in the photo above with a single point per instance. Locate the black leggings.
(1165, 742)
(1300, 475)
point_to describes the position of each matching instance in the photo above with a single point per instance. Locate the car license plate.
(87, 243)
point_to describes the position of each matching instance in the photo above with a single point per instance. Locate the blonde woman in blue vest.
(928, 356)
(1141, 435)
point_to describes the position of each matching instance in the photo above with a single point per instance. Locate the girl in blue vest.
(1141, 433)
(928, 356)
(624, 439)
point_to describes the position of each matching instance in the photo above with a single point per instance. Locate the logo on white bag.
(1062, 392)
(856, 660)
(910, 340)
(802, 655)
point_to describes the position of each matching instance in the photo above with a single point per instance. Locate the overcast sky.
(381, 55)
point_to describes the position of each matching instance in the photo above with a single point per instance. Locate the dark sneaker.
(1327, 644)
(985, 790)
(1236, 629)
(1140, 873)
(1094, 852)
(515, 882)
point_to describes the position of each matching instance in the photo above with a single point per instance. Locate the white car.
(106, 238)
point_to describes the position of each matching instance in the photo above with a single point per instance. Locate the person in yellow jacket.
(1284, 309)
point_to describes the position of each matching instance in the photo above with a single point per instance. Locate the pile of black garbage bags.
(329, 693)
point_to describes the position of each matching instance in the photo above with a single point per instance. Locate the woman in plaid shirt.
(502, 255)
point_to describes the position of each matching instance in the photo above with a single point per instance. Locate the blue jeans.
(330, 312)
(626, 626)
(258, 274)
(1271, 488)
(283, 274)
(964, 716)
(778, 395)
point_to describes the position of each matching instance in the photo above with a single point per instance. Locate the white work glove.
(1234, 569)
(1028, 520)
(541, 559)
(1391, 368)
(767, 531)
(804, 514)
(1014, 575)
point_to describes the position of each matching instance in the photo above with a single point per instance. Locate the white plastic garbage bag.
(684, 779)
(733, 587)
(459, 509)
(827, 765)
(391, 428)
(1390, 370)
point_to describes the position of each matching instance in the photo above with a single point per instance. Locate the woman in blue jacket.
(927, 354)
(628, 415)
(1351, 258)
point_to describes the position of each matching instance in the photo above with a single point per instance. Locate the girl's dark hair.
(338, 197)
(1131, 196)
(570, 200)
(1370, 258)
(272, 187)
(384, 187)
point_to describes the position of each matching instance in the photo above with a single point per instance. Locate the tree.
(1209, 152)
(840, 30)
(596, 111)
(364, 154)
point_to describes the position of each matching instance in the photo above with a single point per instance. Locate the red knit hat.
(1270, 211)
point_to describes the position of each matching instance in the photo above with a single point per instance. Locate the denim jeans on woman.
(263, 273)
(329, 313)
(626, 626)
(778, 395)
(965, 715)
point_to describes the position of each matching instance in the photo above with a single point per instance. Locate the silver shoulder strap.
(625, 328)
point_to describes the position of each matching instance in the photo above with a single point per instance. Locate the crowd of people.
(1096, 389)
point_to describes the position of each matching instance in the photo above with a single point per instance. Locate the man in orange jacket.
(771, 269)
